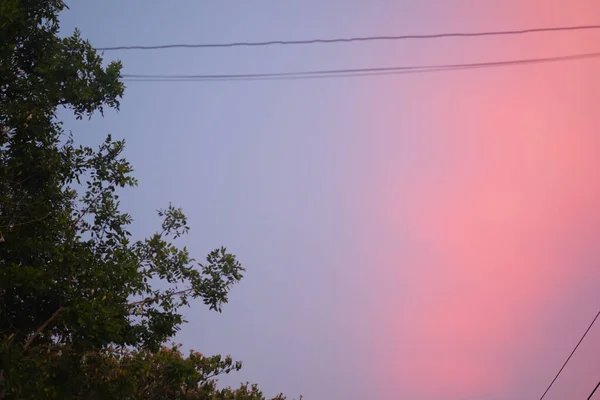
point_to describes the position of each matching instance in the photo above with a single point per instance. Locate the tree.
(74, 285)
(136, 375)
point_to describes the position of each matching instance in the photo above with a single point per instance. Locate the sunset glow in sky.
(413, 236)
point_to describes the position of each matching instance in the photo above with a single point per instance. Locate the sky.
(412, 236)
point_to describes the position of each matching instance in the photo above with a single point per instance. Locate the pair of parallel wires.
(353, 72)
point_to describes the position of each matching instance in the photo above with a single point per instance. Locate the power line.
(353, 72)
(571, 355)
(353, 39)
(289, 77)
(593, 391)
(376, 69)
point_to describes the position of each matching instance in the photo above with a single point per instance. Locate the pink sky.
(504, 216)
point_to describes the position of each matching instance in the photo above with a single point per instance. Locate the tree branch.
(42, 327)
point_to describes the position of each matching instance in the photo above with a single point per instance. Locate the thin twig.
(10, 337)
(90, 205)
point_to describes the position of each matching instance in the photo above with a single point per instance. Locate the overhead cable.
(351, 39)
(570, 355)
(353, 72)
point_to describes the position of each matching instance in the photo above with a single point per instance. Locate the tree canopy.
(81, 315)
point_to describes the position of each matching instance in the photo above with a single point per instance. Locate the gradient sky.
(416, 236)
